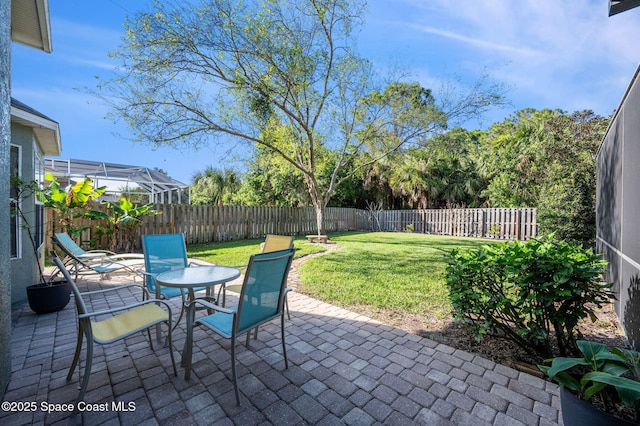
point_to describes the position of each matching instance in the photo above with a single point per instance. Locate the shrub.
(533, 293)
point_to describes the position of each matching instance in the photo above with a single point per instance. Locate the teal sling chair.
(261, 300)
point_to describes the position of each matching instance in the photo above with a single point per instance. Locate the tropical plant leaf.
(560, 364)
(628, 390)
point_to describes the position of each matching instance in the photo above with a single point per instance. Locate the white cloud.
(477, 42)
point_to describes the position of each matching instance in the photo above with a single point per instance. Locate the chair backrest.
(163, 252)
(262, 294)
(276, 243)
(80, 305)
(66, 243)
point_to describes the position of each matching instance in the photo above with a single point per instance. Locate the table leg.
(158, 331)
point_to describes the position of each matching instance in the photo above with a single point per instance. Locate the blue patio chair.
(162, 253)
(110, 325)
(271, 243)
(101, 262)
(261, 300)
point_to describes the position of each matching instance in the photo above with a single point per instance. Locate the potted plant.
(599, 388)
(50, 295)
(46, 295)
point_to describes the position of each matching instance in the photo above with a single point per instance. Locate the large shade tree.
(280, 74)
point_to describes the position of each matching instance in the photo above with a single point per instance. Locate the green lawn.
(397, 272)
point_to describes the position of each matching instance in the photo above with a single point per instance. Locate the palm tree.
(213, 186)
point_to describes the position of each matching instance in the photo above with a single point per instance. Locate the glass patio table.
(198, 276)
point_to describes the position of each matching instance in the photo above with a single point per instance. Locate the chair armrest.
(105, 252)
(143, 272)
(193, 264)
(210, 305)
(125, 308)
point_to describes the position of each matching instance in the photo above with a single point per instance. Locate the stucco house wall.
(5, 139)
(25, 22)
(617, 207)
(33, 135)
(23, 272)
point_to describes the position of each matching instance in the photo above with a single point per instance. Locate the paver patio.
(344, 368)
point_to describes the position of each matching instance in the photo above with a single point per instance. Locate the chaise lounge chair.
(101, 262)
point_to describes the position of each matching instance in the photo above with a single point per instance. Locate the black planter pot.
(577, 412)
(44, 299)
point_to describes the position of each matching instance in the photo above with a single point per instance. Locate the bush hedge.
(533, 293)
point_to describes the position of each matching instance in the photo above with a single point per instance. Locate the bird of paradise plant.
(68, 203)
(124, 214)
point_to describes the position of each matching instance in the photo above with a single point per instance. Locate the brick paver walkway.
(344, 368)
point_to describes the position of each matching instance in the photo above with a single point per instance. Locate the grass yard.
(386, 272)
(382, 271)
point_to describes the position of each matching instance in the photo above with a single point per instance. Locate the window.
(14, 171)
(38, 168)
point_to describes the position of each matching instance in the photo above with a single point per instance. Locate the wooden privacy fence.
(498, 223)
(204, 224)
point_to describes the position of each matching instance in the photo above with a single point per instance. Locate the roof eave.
(31, 25)
(47, 132)
(619, 6)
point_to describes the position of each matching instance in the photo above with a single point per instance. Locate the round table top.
(198, 276)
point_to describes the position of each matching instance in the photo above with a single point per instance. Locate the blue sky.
(553, 54)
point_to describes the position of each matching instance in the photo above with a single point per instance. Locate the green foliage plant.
(124, 215)
(68, 203)
(605, 375)
(533, 293)
(544, 159)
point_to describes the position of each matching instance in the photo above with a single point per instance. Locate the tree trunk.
(320, 218)
(318, 202)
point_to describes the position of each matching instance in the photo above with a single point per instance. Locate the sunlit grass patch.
(397, 272)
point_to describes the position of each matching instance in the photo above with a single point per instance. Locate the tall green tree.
(509, 156)
(281, 74)
(438, 173)
(567, 202)
(271, 181)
